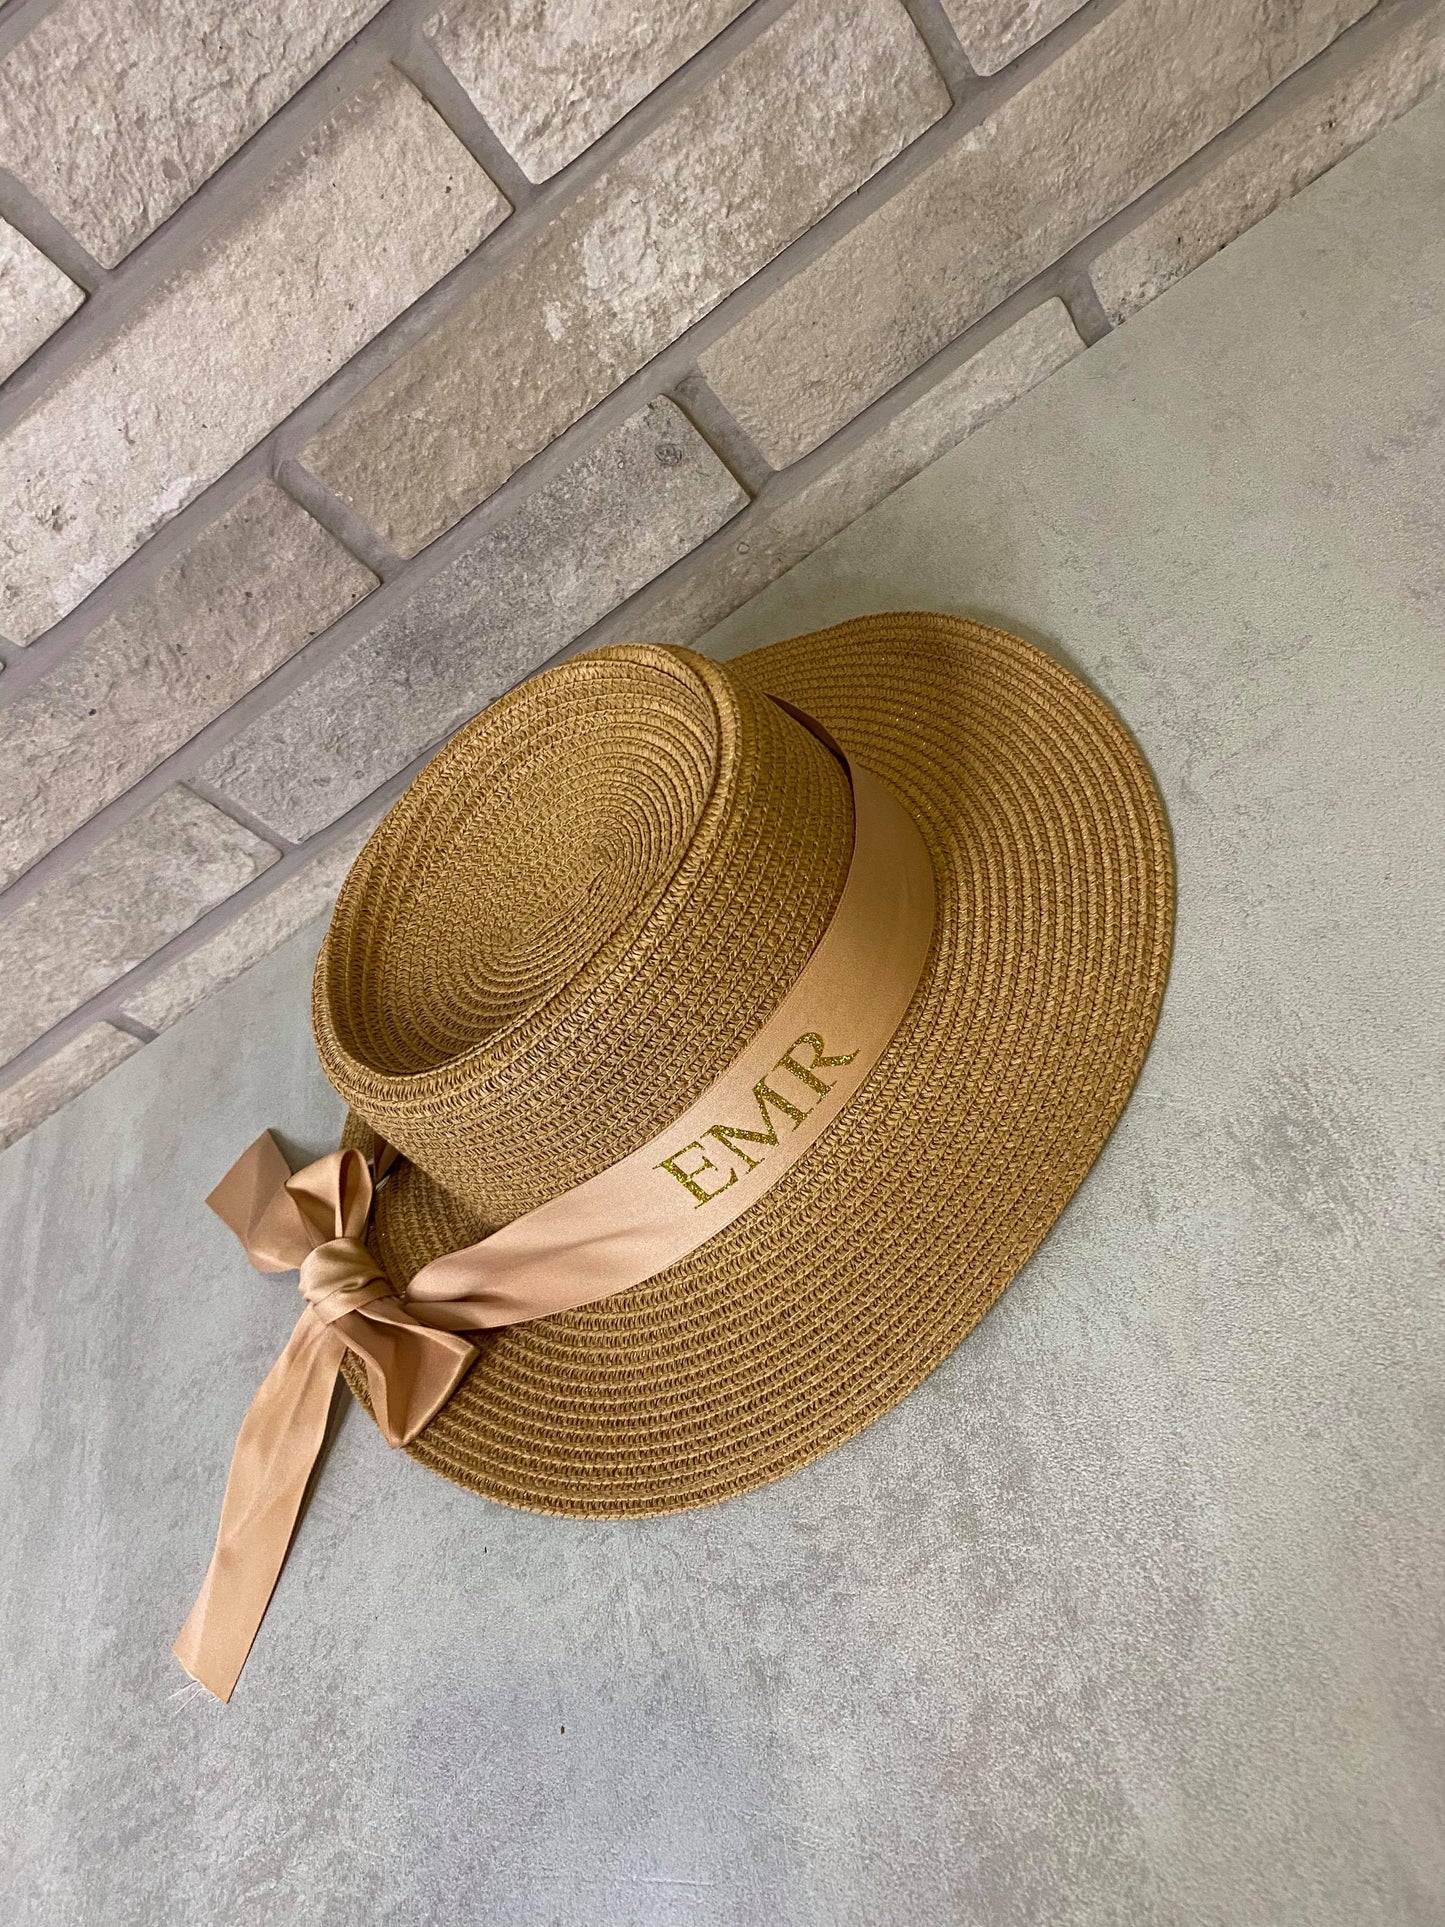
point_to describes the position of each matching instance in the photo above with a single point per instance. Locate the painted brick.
(768, 545)
(35, 297)
(549, 79)
(526, 588)
(115, 111)
(1325, 126)
(802, 115)
(994, 32)
(378, 205)
(116, 905)
(251, 935)
(1100, 124)
(251, 590)
(74, 1067)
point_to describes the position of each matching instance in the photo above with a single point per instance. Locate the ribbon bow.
(315, 1220)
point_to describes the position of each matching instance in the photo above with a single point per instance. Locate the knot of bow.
(314, 1222)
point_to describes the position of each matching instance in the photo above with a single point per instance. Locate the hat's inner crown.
(551, 831)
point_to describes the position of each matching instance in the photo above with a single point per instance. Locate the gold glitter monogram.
(728, 1135)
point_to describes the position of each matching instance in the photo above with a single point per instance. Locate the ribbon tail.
(280, 1439)
(411, 1369)
(252, 1201)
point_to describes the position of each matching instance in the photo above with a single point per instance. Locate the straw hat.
(582, 910)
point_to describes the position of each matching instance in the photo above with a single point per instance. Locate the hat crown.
(576, 918)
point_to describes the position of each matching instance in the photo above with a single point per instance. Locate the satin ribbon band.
(642, 1214)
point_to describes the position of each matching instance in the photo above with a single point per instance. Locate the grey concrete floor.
(1133, 1613)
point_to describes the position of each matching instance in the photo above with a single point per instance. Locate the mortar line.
(42, 230)
(273, 452)
(132, 1027)
(723, 433)
(1067, 276)
(1062, 279)
(583, 434)
(340, 520)
(945, 49)
(1086, 310)
(352, 626)
(239, 814)
(419, 59)
(19, 18)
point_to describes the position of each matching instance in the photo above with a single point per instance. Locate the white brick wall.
(334, 338)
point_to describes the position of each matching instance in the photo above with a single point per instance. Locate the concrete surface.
(1132, 1614)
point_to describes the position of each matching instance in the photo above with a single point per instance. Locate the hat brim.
(873, 1257)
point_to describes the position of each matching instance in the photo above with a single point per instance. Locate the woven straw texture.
(589, 902)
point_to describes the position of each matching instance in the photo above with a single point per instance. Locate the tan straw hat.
(581, 912)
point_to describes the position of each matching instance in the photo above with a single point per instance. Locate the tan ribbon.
(644, 1213)
(315, 1220)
